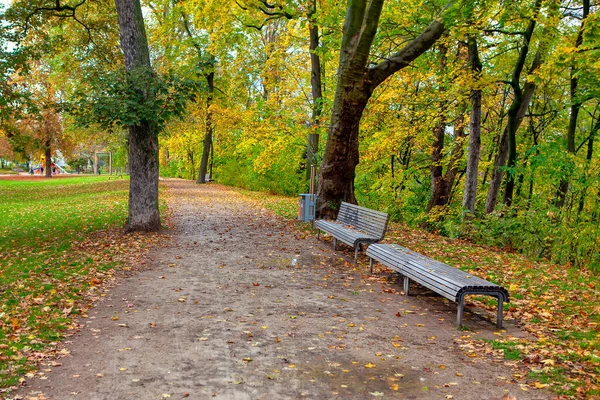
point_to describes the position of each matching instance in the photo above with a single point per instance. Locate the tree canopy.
(475, 118)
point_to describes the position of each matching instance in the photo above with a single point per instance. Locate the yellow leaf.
(370, 365)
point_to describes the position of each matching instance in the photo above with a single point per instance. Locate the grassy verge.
(557, 304)
(61, 240)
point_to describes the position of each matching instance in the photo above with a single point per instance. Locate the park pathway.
(240, 305)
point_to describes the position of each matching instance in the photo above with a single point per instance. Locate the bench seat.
(441, 278)
(354, 226)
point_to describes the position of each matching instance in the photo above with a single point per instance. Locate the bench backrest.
(364, 219)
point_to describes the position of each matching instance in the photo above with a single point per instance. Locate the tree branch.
(60, 11)
(407, 54)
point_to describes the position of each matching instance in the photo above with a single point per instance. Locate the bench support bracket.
(461, 304)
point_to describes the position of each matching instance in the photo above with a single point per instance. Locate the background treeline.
(534, 59)
(489, 135)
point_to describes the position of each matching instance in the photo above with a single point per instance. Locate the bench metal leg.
(500, 309)
(461, 306)
(370, 265)
(319, 234)
(356, 254)
(406, 285)
(334, 244)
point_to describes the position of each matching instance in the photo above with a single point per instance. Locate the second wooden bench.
(443, 279)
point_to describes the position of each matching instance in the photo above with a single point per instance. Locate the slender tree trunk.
(507, 151)
(438, 188)
(436, 169)
(470, 191)
(143, 137)
(518, 102)
(206, 62)
(312, 149)
(207, 144)
(501, 156)
(48, 155)
(455, 155)
(442, 192)
(563, 186)
(588, 158)
(315, 66)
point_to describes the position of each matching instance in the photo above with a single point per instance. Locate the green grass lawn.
(55, 248)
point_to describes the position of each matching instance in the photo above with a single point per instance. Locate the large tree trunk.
(208, 137)
(355, 86)
(336, 180)
(143, 138)
(470, 191)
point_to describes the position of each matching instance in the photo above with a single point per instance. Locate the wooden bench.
(355, 226)
(449, 282)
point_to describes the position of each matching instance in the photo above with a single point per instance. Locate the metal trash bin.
(306, 207)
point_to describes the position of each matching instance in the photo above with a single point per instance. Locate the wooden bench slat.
(449, 274)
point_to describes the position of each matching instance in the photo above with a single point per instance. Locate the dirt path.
(239, 307)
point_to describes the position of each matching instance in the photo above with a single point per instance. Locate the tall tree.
(470, 191)
(518, 101)
(576, 103)
(143, 136)
(507, 148)
(356, 82)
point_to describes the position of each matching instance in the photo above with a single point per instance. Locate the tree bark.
(355, 86)
(470, 191)
(143, 137)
